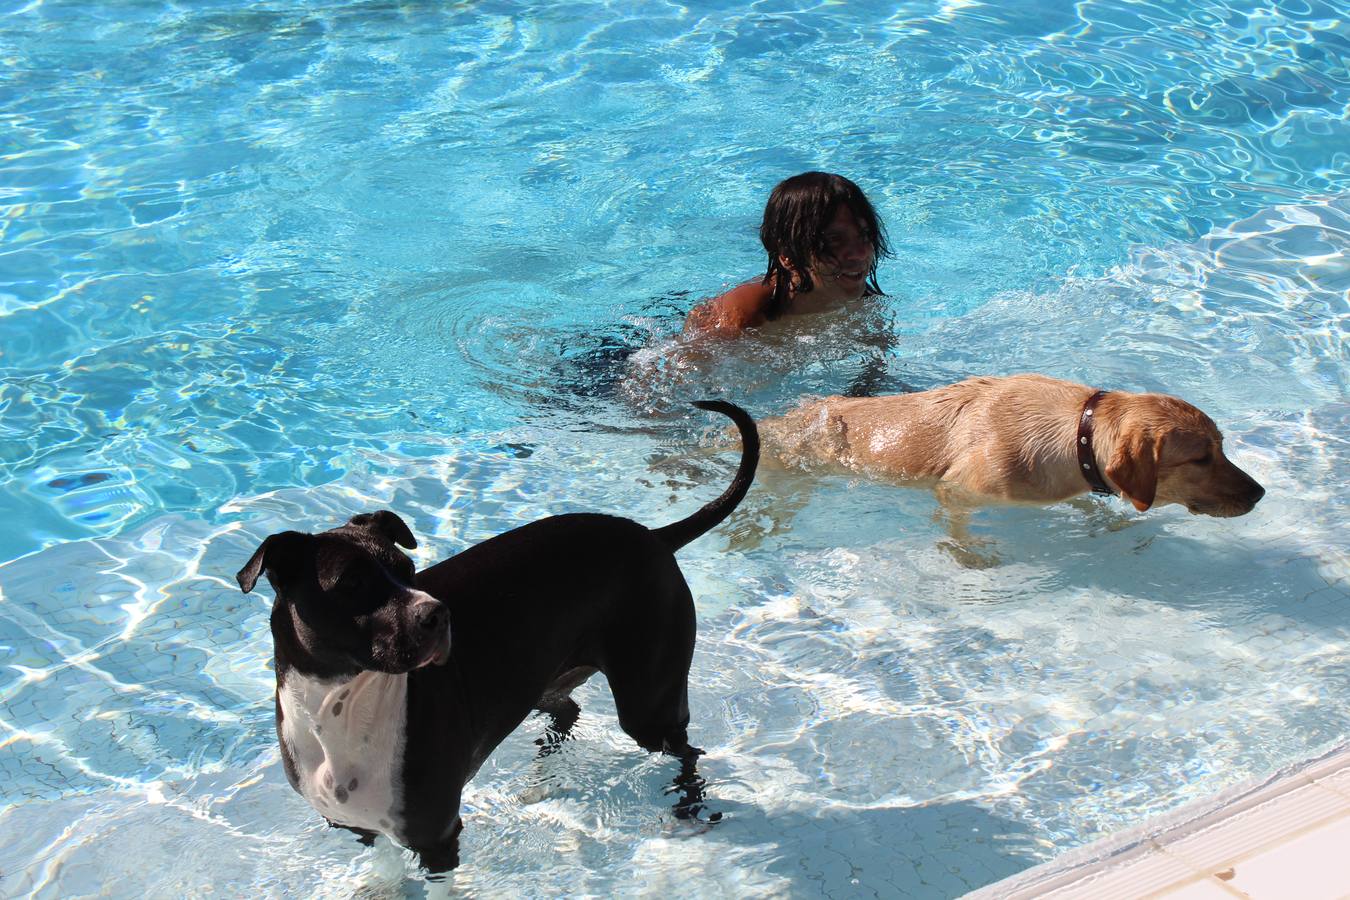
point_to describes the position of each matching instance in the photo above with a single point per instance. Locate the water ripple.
(262, 267)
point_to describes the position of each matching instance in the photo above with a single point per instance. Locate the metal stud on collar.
(1086, 459)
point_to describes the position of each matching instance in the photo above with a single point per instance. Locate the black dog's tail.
(677, 534)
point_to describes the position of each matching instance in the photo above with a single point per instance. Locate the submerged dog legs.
(442, 856)
(689, 785)
(562, 715)
(953, 514)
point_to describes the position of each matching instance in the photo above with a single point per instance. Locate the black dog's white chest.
(345, 740)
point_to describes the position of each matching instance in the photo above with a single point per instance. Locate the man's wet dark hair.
(795, 218)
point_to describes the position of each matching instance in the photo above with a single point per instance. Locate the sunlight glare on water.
(266, 266)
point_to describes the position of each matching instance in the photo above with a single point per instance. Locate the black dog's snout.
(430, 616)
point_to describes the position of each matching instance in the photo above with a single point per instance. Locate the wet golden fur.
(1013, 439)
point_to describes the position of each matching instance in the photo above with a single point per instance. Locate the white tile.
(1287, 838)
(1256, 829)
(1136, 877)
(1202, 889)
(1334, 764)
(1314, 866)
(1338, 781)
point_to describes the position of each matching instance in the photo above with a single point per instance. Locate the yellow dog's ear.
(1134, 467)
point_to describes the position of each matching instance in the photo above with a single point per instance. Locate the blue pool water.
(264, 266)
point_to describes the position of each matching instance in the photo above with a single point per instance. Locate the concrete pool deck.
(1284, 836)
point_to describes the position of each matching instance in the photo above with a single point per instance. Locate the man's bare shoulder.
(731, 313)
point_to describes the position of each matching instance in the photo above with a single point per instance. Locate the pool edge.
(1271, 823)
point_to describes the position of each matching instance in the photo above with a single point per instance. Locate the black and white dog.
(393, 686)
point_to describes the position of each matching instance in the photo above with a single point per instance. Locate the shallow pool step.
(1281, 837)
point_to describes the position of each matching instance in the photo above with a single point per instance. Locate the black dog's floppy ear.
(269, 554)
(386, 523)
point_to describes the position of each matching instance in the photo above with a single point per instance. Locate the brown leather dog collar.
(1087, 463)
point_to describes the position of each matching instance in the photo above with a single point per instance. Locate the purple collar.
(1087, 463)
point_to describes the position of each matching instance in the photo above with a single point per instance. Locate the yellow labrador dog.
(1023, 438)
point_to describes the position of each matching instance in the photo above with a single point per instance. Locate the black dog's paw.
(689, 785)
(694, 812)
(694, 818)
(440, 856)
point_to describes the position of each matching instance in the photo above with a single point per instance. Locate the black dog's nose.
(430, 615)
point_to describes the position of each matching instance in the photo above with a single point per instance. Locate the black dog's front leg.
(440, 856)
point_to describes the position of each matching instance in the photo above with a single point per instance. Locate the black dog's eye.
(1205, 460)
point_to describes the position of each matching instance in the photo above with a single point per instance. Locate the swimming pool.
(266, 266)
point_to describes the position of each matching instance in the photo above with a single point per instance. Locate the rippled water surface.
(265, 266)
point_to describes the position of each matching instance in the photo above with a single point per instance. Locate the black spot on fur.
(337, 709)
(351, 785)
(341, 794)
(328, 779)
(384, 823)
(343, 695)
